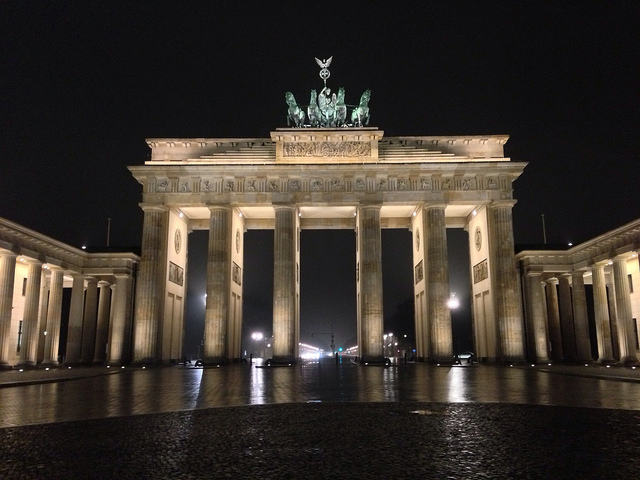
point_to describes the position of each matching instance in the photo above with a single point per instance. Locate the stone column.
(218, 285)
(370, 282)
(120, 317)
(149, 288)
(536, 318)
(284, 283)
(7, 277)
(505, 281)
(54, 314)
(102, 328)
(566, 319)
(76, 314)
(626, 334)
(553, 315)
(42, 313)
(437, 276)
(580, 318)
(29, 348)
(89, 321)
(601, 311)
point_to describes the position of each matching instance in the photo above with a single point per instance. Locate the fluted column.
(437, 275)
(218, 284)
(42, 312)
(566, 319)
(149, 296)
(54, 316)
(580, 317)
(536, 320)
(121, 308)
(507, 294)
(76, 314)
(89, 321)
(7, 276)
(102, 326)
(601, 312)
(626, 333)
(29, 348)
(284, 283)
(370, 283)
(553, 316)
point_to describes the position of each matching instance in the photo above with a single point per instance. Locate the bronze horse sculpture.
(360, 114)
(295, 115)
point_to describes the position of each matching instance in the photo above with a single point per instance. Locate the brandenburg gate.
(327, 178)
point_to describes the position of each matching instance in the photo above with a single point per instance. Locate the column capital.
(507, 203)
(103, 283)
(428, 206)
(222, 206)
(552, 281)
(152, 207)
(8, 253)
(285, 206)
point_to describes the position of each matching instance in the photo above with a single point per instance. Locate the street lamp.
(453, 302)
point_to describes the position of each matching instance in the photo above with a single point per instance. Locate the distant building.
(54, 295)
(583, 304)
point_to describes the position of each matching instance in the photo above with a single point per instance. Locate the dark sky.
(82, 84)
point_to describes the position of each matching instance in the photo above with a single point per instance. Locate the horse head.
(364, 99)
(290, 99)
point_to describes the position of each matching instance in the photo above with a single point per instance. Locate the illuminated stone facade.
(583, 304)
(323, 178)
(35, 270)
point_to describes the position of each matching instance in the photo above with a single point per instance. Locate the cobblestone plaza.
(318, 420)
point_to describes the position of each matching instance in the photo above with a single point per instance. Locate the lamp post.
(453, 303)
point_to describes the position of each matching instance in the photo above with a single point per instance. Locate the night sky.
(82, 84)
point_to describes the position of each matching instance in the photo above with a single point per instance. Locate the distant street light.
(257, 336)
(453, 302)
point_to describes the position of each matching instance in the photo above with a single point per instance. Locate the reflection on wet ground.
(155, 390)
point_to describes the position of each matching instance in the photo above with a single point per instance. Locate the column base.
(50, 364)
(27, 365)
(607, 361)
(281, 362)
(375, 361)
(6, 366)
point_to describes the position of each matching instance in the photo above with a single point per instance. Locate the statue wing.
(328, 62)
(319, 62)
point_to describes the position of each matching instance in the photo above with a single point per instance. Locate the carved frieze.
(327, 149)
(176, 274)
(480, 271)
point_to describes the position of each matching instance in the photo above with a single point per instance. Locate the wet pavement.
(316, 420)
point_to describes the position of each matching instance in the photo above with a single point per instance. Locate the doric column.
(437, 275)
(601, 312)
(536, 318)
(102, 328)
(76, 314)
(120, 318)
(553, 316)
(45, 282)
(29, 348)
(566, 319)
(218, 284)
(149, 295)
(284, 283)
(7, 276)
(370, 302)
(54, 314)
(626, 333)
(580, 318)
(507, 294)
(89, 321)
